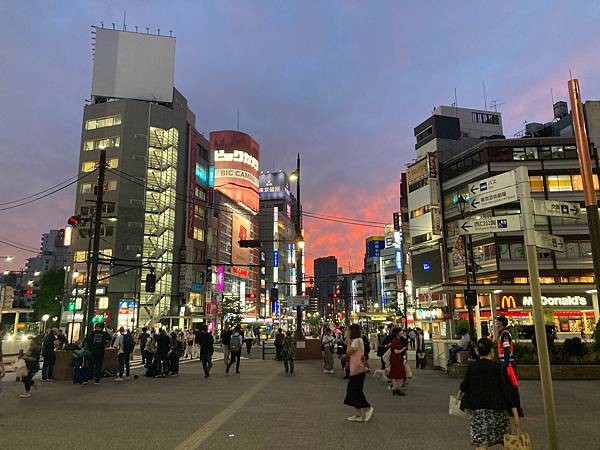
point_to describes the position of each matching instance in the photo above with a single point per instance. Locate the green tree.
(50, 293)
(231, 311)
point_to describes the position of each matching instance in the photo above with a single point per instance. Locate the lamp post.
(469, 261)
(295, 175)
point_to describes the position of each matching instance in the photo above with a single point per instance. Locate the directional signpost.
(492, 184)
(497, 197)
(556, 208)
(497, 224)
(549, 241)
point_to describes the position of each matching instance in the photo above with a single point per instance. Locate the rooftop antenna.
(136, 28)
(158, 31)
(147, 30)
(238, 119)
(484, 97)
(125, 20)
(455, 103)
(171, 33)
(570, 74)
(102, 24)
(495, 104)
(114, 25)
(552, 96)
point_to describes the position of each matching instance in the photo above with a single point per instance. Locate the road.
(263, 408)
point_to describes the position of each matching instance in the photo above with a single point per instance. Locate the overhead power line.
(18, 247)
(39, 193)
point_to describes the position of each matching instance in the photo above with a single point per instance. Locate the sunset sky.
(341, 82)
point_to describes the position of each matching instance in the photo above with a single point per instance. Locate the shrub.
(574, 347)
(596, 336)
(461, 325)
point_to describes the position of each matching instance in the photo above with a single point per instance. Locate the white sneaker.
(368, 414)
(355, 419)
(118, 379)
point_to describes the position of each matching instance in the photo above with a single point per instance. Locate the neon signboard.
(200, 173)
(211, 176)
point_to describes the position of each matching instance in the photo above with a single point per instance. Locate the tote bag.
(519, 441)
(454, 408)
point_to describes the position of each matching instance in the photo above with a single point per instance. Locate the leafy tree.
(232, 313)
(48, 297)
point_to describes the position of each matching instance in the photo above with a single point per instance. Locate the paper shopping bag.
(454, 407)
(520, 441)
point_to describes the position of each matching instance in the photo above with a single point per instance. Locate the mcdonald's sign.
(508, 302)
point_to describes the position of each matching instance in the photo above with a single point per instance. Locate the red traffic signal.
(74, 221)
(252, 295)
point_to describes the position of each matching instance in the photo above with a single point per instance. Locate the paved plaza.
(263, 408)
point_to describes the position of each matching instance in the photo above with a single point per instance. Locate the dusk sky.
(342, 82)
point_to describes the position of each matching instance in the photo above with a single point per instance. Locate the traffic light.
(74, 221)
(249, 243)
(71, 306)
(151, 282)
(252, 296)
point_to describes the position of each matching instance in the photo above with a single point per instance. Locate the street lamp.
(45, 318)
(469, 296)
(295, 176)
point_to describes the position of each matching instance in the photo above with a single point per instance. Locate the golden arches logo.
(508, 301)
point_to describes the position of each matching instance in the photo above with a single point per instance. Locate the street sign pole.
(527, 213)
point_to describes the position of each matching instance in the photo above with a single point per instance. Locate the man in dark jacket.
(49, 355)
(226, 340)
(163, 345)
(96, 342)
(143, 338)
(206, 342)
(279, 337)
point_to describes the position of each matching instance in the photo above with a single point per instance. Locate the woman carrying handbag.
(487, 395)
(355, 395)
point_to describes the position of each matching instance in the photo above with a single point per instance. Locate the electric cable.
(39, 193)
(19, 247)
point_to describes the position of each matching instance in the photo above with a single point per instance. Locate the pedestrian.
(397, 373)
(279, 336)
(420, 349)
(257, 334)
(49, 355)
(143, 339)
(249, 340)
(235, 345)
(32, 362)
(150, 357)
(175, 353)
(124, 344)
(506, 356)
(341, 347)
(367, 345)
(288, 352)
(328, 348)
(62, 340)
(96, 342)
(163, 345)
(355, 396)
(225, 339)
(487, 394)
(190, 348)
(412, 337)
(207, 349)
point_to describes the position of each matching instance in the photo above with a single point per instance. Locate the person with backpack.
(249, 340)
(96, 342)
(235, 345)
(289, 352)
(125, 345)
(279, 336)
(207, 349)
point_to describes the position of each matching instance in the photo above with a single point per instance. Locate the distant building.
(325, 273)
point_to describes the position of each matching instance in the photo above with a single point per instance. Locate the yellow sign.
(508, 301)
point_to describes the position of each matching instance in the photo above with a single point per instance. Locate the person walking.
(487, 394)
(96, 342)
(421, 356)
(249, 340)
(397, 369)
(32, 362)
(412, 337)
(355, 396)
(175, 353)
(143, 340)
(190, 348)
(207, 349)
(341, 347)
(150, 357)
(279, 336)
(49, 355)
(163, 345)
(288, 352)
(235, 345)
(327, 343)
(225, 339)
(124, 344)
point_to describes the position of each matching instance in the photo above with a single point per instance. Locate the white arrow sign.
(549, 241)
(491, 199)
(492, 184)
(556, 208)
(498, 224)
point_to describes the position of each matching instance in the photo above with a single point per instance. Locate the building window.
(86, 189)
(90, 166)
(536, 183)
(559, 183)
(200, 194)
(199, 212)
(420, 211)
(485, 118)
(100, 144)
(110, 121)
(522, 154)
(424, 134)
(520, 280)
(418, 184)
(198, 234)
(80, 256)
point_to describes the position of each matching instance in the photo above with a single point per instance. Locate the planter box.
(524, 372)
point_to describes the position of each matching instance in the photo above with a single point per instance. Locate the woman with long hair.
(355, 395)
(397, 374)
(327, 345)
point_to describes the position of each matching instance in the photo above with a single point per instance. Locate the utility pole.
(469, 270)
(96, 242)
(299, 250)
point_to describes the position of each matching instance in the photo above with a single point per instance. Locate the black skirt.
(355, 395)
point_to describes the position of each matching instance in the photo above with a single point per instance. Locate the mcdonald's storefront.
(571, 312)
